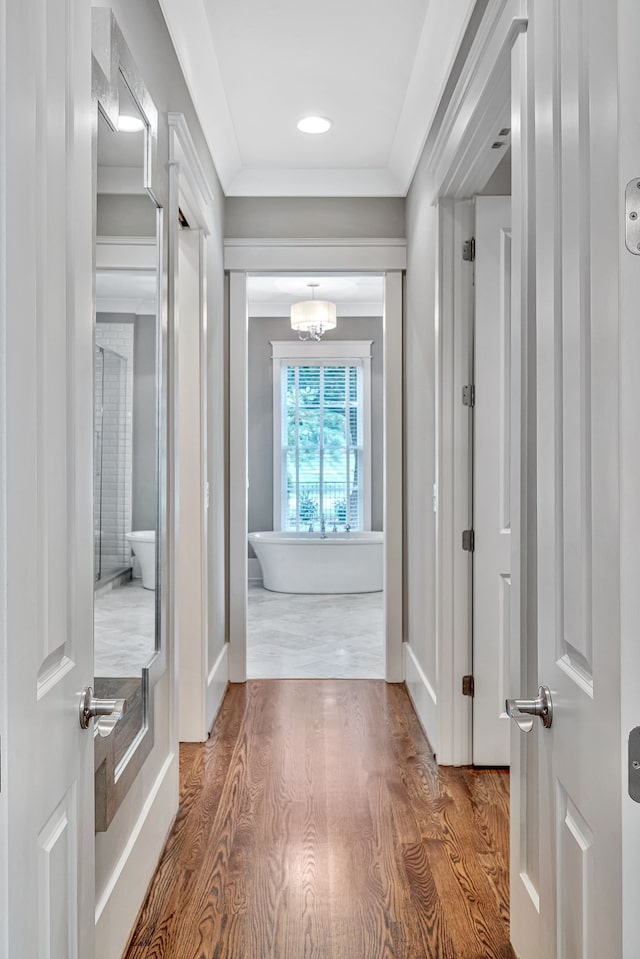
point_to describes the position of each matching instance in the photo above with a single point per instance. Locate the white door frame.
(295, 256)
(4, 824)
(461, 161)
(493, 92)
(189, 190)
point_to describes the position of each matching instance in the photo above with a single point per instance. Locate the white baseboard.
(118, 906)
(254, 571)
(217, 683)
(422, 696)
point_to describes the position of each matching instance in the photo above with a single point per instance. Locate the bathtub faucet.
(323, 532)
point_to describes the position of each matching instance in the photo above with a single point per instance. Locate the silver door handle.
(111, 709)
(524, 711)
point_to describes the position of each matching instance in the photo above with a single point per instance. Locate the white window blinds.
(322, 445)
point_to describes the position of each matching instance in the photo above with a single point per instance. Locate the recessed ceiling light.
(129, 124)
(314, 125)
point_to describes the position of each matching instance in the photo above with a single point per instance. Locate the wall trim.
(329, 350)
(460, 156)
(132, 253)
(423, 697)
(350, 352)
(182, 150)
(118, 906)
(190, 192)
(217, 682)
(355, 255)
(294, 256)
(330, 241)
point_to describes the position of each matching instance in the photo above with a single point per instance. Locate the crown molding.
(459, 152)
(443, 30)
(195, 49)
(318, 182)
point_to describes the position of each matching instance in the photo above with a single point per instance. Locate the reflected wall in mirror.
(127, 416)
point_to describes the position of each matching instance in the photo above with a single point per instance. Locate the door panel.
(492, 481)
(58, 881)
(575, 906)
(578, 477)
(48, 382)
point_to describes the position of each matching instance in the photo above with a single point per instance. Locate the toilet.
(143, 544)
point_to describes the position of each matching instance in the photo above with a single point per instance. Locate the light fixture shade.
(310, 316)
(130, 124)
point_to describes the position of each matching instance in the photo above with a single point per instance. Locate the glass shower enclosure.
(111, 550)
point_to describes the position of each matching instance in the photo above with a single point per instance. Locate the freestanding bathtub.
(306, 563)
(143, 544)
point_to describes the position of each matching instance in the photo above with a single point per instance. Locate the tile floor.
(124, 630)
(294, 636)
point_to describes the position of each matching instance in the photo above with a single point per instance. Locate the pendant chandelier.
(312, 318)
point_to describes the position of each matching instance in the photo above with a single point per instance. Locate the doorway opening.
(341, 259)
(315, 481)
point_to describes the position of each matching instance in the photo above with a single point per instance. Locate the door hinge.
(468, 540)
(468, 686)
(468, 396)
(469, 250)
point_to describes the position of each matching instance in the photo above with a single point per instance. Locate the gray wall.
(499, 184)
(314, 217)
(120, 215)
(261, 333)
(144, 469)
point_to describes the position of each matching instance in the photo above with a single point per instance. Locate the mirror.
(128, 416)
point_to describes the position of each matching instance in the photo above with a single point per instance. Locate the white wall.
(421, 663)
(126, 855)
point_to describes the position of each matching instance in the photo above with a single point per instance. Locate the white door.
(47, 389)
(491, 481)
(566, 848)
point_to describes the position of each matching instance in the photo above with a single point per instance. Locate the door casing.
(294, 256)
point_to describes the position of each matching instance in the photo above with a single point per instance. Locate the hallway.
(315, 823)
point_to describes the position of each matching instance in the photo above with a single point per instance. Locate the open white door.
(491, 480)
(566, 844)
(46, 313)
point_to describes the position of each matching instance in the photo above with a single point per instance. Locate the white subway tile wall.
(113, 445)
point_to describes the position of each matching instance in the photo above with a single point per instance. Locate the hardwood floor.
(315, 824)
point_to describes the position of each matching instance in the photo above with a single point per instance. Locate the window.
(322, 435)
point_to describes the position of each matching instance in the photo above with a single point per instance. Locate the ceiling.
(126, 291)
(353, 295)
(376, 68)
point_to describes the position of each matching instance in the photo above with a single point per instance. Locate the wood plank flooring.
(315, 824)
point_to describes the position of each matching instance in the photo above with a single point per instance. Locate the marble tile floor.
(308, 636)
(124, 629)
